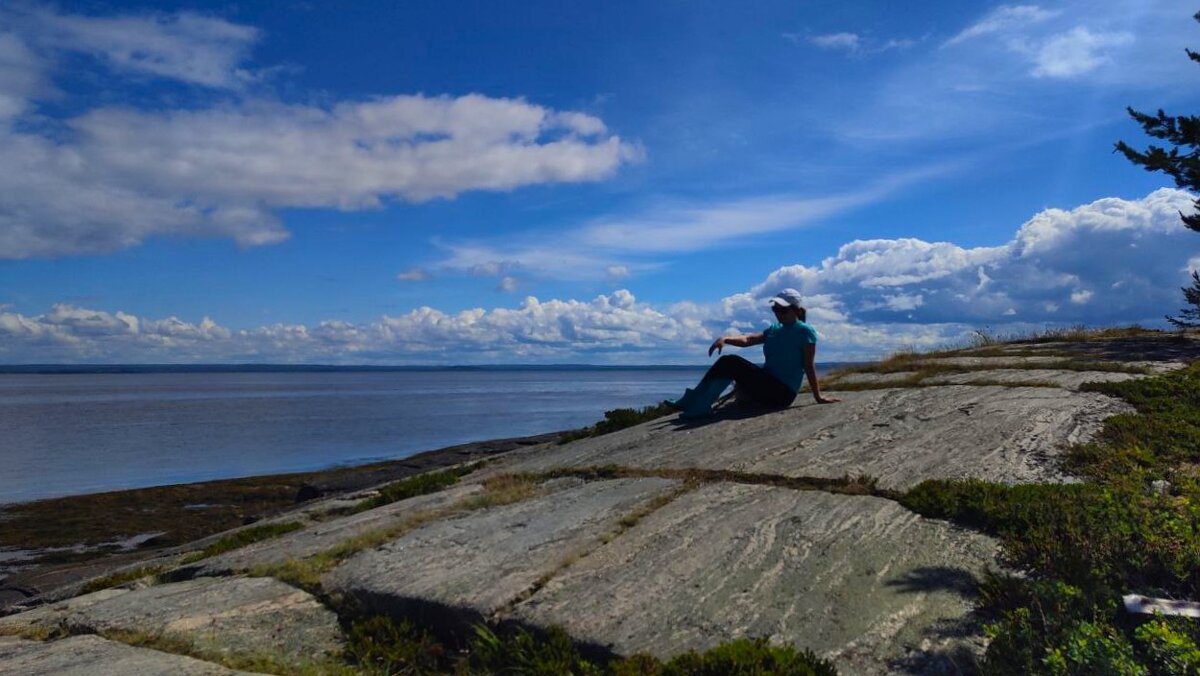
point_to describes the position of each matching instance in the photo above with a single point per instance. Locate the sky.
(608, 183)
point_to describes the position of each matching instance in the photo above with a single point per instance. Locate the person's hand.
(716, 346)
(827, 400)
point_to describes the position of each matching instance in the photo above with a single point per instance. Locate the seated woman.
(790, 346)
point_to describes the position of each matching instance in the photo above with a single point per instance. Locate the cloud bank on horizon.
(1112, 261)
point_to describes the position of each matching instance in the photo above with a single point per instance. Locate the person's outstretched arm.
(810, 369)
(736, 341)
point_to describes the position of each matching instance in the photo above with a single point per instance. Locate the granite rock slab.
(1071, 380)
(867, 378)
(901, 436)
(1013, 361)
(322, 536)
(95, 656)
(476, 564)
(857, 579)
(237, 615)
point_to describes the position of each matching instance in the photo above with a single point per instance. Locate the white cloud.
(845, 41)
(1053, 261)
(870, 298)
(616, 272)
(853, 44)
(617, 248)
(110, 177)
(187, 47)
(413, 275)
(1003, 19)
(507, 284)
(1076, 52)
(22, 76)
(1001, 76)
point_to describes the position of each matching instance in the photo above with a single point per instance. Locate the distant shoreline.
(83, 369)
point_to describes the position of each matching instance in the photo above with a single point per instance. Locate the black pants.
(752, 380)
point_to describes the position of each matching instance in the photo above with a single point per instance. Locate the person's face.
(786, 314)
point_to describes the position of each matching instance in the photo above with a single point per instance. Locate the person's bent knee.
(729, 360)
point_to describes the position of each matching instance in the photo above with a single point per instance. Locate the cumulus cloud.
(1112, 261)
(1052, 270)
(110, 177)
(534, 330)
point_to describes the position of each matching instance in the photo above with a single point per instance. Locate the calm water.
(70, 434)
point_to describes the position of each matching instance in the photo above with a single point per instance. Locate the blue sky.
(464, 182)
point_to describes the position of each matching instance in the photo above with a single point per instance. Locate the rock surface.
(322, 536)
(479, 563)
(901, 436)
(653, 564)
(92, 655)
(858, 579)
(247, 616)
(1070, 380)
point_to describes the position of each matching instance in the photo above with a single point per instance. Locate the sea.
(74, 433)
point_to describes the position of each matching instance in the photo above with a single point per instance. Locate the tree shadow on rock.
(950, 645)
(938, 578)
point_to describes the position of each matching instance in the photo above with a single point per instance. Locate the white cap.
(786, 297)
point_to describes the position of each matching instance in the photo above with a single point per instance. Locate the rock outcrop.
(664, 537)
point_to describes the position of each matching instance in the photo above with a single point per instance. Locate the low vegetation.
(618, 419)
(84, 527)
(1132, 527)
(380, 646)
(123, 577)
(243, 537)
(421, 484)
(845, 485)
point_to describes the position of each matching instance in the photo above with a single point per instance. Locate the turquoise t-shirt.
(783, 346)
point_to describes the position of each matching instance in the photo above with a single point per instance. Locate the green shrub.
(1107, 538)
(748, 657)
(1030, 619)
(379, 645)
(241, 538)
(1164, 433)
(520, 652)
(1095, 650)
(1170, 649)
(1080, 546)
(618, 419)
(421, 484)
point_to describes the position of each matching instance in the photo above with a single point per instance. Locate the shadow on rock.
(959, 659)
(726, 411)
(938, 578)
